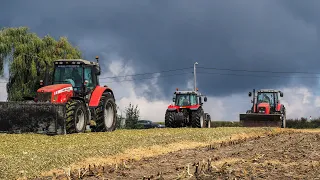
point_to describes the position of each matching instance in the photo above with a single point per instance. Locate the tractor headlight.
(262, 110)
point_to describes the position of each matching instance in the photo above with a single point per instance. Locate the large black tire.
(76, 116)
(106, 114)
(197, 118)
(169, 119)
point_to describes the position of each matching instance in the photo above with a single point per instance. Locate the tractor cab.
(266, 110)
(187, 98)
(81, 74)
(266, 101)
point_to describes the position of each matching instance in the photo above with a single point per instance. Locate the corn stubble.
(30, 155)
(284, 155)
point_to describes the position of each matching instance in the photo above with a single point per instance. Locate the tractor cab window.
(266, 97)
(186, 99)
(88, 77)
(182, 100)
(193, 100)
(71, 74)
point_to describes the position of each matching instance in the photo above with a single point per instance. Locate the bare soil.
(290, 155)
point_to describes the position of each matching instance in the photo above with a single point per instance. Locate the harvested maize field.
(34, 155)
(162, 153)
(289, 155)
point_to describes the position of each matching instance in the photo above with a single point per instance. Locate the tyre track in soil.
(290, 155)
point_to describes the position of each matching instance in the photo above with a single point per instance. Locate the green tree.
(132, 116)
(27, 55)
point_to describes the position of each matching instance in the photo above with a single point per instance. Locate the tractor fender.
(97, 94)
(172, 108)
(279, 107)
(194, 107)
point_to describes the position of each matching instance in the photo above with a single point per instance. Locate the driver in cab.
(266, 98)
(76, 77)
(184, 101)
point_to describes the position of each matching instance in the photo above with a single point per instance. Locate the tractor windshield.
(186, 99)
(268, 97)
(68, 74)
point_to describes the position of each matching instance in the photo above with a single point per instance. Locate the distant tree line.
(303, 123)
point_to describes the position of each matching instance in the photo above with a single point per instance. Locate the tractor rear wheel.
(169, 119)
(197, 118)
(77, 116)
(106, 114)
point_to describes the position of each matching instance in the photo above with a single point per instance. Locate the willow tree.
(27, 55)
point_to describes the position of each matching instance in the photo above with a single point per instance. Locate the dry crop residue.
(291, 155)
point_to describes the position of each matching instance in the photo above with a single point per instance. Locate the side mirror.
(85, 87)
(249, 94)
(86, 82)
(205, 99)
(173, 99)
(41, 82)
(281, 94)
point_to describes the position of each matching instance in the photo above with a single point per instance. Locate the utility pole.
(195, 76)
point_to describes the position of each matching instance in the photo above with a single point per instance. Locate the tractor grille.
(262, 110)
(45, 96)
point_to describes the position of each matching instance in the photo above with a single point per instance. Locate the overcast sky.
(150, 36)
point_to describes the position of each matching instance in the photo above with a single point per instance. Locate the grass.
(31, 154)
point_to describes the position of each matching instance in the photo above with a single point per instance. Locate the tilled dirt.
(285, 156)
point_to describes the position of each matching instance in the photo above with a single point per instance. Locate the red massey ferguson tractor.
(187, 111)
(266, 110)
(72, 103)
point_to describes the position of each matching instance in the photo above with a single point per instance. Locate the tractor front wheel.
(106, 114)
(77, 116)
(197, 118)
(169, 119)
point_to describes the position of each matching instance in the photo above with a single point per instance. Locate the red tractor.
(266, 110)
(187, 111)
(72, 103)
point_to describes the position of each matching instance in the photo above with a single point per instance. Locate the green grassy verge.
(31, 154)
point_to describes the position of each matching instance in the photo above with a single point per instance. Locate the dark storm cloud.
(159, 35)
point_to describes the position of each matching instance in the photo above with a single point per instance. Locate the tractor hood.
(264, 108)
(55, 88)
(263, 104)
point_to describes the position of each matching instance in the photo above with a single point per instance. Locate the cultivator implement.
(260, 120)
(24, 117)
